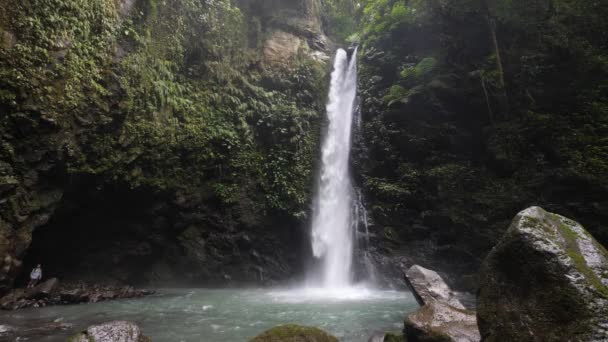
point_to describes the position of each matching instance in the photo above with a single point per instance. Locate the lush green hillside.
(475, 109)
(208, 110)
(180, 138)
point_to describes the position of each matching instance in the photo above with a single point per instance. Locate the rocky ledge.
(51, 292)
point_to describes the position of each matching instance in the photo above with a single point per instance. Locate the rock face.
(281, 47)
(442, 317)
(295, 30)
(116, 331)
(547, 280)
(294, 333)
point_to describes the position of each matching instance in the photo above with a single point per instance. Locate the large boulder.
(294, 333)
(116, 331)
(546, 280)
(442, 317)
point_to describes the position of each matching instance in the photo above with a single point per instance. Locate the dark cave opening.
(102, 235)
(116, 235)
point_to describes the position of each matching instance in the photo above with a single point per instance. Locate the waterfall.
(332, 235)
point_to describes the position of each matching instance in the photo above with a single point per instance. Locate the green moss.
(168, 97)
(571, 238)
(390, 337)
(79, 338)
(293, 332)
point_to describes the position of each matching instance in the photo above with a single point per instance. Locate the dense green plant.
(162, 95)
(493, 105)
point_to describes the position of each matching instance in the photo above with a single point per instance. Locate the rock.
(546, 280)
(439, 321)
(319, 42)
(281, 48)
(377, 337)
(7, 40)
(294, 333)
(116, 331)
(428, 286)
(442, 316)
(73, 296)
(43, 289)
(394, 338)
(49, 293)
(386, 337)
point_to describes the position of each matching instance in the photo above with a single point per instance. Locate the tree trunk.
(504, 101)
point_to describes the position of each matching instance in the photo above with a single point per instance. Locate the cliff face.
(152, 141)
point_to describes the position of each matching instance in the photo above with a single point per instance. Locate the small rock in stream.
(115, 331)
(294, 333)
(442, 317)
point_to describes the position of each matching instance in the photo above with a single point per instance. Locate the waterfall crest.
(332, 235)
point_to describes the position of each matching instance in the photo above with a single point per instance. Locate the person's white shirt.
(36, 273)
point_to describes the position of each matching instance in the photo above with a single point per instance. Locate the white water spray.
(332, 236)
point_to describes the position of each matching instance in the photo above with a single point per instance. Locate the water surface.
(232, 315)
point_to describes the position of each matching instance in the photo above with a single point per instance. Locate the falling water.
(332, 236)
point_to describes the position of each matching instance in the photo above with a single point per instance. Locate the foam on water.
(231, 315)
(357, 293)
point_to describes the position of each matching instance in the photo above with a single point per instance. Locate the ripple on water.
(231, 315)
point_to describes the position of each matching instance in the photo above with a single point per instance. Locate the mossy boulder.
(547, 279)
(115, 331)
(294, 333)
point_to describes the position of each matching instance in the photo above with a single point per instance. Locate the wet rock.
(394, 338)
(294, 333)
(439, 321)
(546, 280)
(73, 296)
(442, 316)
(386, 337)
(116, 331)
(49, 293)
(428, 286)
(43, 290)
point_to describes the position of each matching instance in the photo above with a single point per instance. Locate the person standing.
(35, 276)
